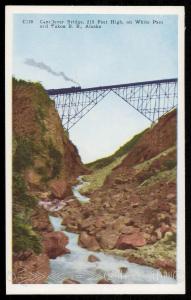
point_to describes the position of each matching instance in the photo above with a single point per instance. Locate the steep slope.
(45, 164)
(42, 148)
(134, 212)
(102, 167)
(123, 150)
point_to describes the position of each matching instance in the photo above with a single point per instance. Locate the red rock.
(171, 196)
(123, 270)
(130, 229)
(104, 281)
(166, 264)
(158, 233)
(108, 238)
(87, 241)
(70, 281)
(54, 244)
(60, 189)
(164, 228)
(93, 258)
(87, 222)
(131, 240)
(137, 260)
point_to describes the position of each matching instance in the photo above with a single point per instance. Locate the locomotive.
(64, 90)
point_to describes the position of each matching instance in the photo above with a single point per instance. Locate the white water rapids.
(76, 266)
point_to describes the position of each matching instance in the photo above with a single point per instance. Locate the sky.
(112, 54)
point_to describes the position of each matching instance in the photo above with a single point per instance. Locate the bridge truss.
(150, 98)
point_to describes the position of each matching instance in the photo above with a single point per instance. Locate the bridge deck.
(52, 92)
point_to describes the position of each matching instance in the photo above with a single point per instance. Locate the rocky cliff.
(45, 164)
(134, 212)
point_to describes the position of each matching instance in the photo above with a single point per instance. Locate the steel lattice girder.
(151, 98)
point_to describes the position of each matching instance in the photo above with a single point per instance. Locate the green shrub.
(20, 195)
(24, 237)
(23, 156)
(56, 156)
(170, 164)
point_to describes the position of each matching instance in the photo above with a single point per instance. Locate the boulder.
(87, 222)
(54, 244)
(60, 189)
(123, 270)
(87, 241)
(171, 196)
(119, 223)
(165, 264)
(93, 258)
(104, 281)
(137, 260)
(70, 281)
(131, 241)
(108, 238)
(129, 229)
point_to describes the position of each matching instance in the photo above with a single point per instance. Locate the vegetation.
(103, 162)
(168, 175)
(56, 156)
(23, 153)
(97, 178)
(103, 167)
(24, 237)
(25, 149)
(161, 250)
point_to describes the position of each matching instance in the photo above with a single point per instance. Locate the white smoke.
(42, 66)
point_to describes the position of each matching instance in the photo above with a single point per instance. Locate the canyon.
(121, 206)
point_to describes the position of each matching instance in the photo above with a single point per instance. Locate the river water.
(76, 266)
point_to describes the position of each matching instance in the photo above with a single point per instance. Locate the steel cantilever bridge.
(151, 98)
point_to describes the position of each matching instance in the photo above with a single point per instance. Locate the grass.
(24, 150)
(147, 163)
(102, 167)
(24, 237)
(163, 249)
(103, 162)
(168, 175)
(97, 178)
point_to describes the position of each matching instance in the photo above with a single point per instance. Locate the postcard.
(95, 150)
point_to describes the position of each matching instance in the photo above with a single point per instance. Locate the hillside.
(134, 212)
(103, 162)
(102, 167)
(45, 165)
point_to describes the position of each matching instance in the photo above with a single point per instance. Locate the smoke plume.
(42, 66)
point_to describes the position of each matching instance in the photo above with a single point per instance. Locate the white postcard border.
(178, 288)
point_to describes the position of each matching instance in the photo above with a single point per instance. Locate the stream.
(75, 265)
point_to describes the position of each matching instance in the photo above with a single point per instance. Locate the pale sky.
(113, 54)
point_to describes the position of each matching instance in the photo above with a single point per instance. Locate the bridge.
(152, 99)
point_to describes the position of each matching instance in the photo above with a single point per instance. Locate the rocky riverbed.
(81, 265)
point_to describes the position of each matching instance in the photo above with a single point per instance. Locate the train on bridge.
(72, 89)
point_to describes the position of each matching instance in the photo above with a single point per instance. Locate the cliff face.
(42, 149)
(44, 162)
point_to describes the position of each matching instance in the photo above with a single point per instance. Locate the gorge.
(110, 221)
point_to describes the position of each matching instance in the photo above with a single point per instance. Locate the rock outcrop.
(54, 244)
(47, 153)
(45, 165)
